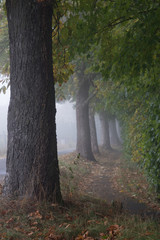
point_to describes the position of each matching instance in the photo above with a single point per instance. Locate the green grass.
(81, 217)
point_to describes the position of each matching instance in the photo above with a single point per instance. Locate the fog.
(65, 120)
(66, 126)
(4, 101)
(65, 123)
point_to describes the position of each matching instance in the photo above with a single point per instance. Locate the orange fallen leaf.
(80, 237)
(54, 237)
(147, 234)
(85, 234)
(17, 229)
(35, 215)
(114, 230)
(30, 234)
(113, 227)
(10, 220)
(34, 223)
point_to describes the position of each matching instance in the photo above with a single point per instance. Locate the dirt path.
(102, 183)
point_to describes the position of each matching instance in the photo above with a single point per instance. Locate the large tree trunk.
(32, 164)
(94, 142)
(82, 116)
(114, 139)
(105, 130)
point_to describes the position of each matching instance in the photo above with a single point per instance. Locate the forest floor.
(106, 200)
(116, 180)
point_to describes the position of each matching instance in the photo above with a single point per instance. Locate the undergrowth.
(132, 180)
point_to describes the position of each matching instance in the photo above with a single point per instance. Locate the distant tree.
(32, 164)
(104, 119)
(82, 112)
(114, 138)
(128, 33)
(94, 141)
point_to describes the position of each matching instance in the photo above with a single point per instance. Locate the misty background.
(65, 119)
(65, 122)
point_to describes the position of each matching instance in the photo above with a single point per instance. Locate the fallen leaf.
(113, 227)
(114, 230)
(34, 223)
(35, 215)
(30, 234)
(80, 237)
(54, 237)
(67, 226)
(17, 229)
(10, 220)
(85, 234)
(147, 234)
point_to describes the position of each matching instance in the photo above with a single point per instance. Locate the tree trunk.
(114, 139)
(105, 131)
(94, 142)
(82, 116)
(32, 164)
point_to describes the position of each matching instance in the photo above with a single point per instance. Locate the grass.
(78, 219)
(82, 217)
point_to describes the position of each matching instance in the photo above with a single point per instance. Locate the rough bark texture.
(114, 139)
(32, 164)
(105, 130)
(82, 115)
(94, 142)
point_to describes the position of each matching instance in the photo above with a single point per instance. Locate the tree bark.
(114, 139)
(105, 130)
(94, 142)
(32, 164)
(82, 115)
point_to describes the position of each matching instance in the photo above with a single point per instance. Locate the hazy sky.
(64, 110)
(4, 98)
(65, 115)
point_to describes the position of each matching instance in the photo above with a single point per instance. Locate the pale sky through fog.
(65, 119)
(4, 98)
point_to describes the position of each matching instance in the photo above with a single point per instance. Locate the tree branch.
(89, 98)
(124, 19)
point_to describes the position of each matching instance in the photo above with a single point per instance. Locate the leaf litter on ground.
(82, 217)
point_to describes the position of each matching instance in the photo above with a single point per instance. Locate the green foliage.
(138, 41)
(62, 67)
(68, 89)
(124, 39)
(151, 140)
(138, 110)
(4, 41)
(126, 46)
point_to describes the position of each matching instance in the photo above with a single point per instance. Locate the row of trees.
(123, 37)
(81, 88)
(120, 40)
